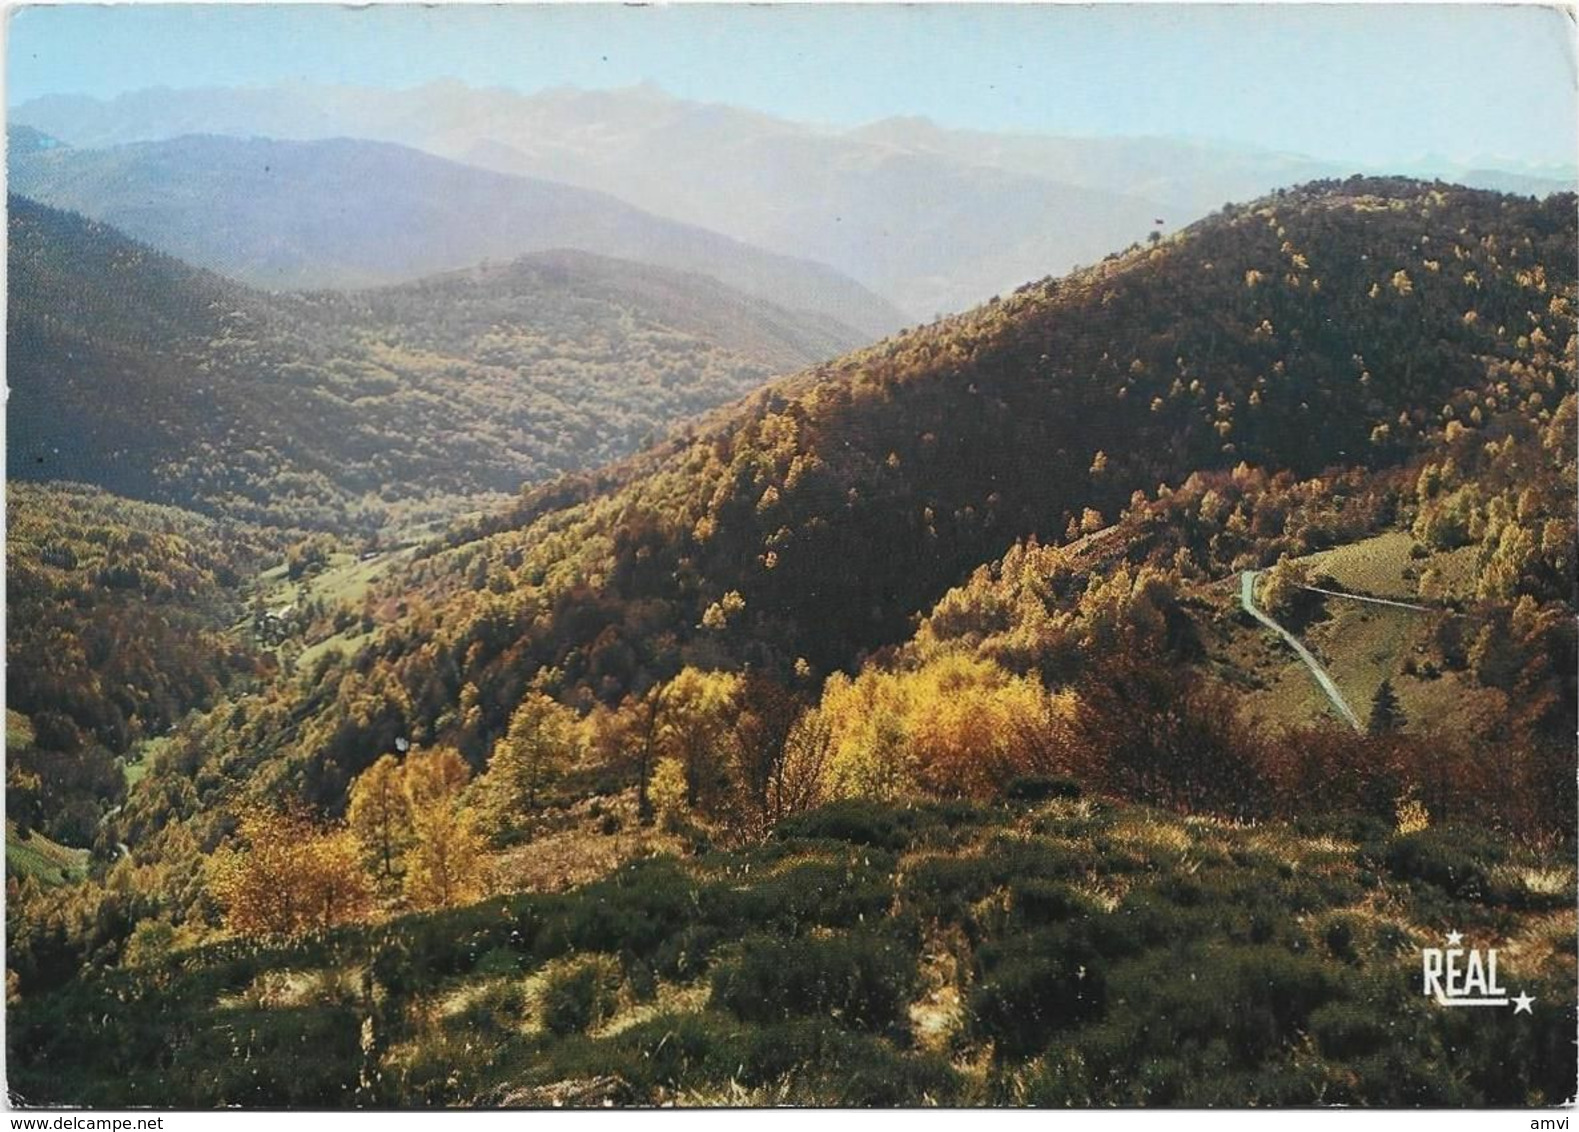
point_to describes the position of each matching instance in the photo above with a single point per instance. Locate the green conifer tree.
(1387, 716)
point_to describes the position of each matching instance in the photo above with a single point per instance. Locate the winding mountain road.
(1247, 599)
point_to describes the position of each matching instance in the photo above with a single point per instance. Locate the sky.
(1363, 83)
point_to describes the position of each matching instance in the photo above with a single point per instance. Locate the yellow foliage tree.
(444, 865)
(866, 717)
(1283, 585)
(438, 774)
(669, 792)
(800, 778)
(538, 746)
(379, 815)
(695, 728)
(1504, 561)
(410, 821)
(959, 726)
(974, 727)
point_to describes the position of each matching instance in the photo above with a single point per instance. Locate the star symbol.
(1454, 939)
(1521, 1004)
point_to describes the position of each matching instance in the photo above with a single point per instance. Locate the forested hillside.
(156, 380)
(923, 675)
(807, 527)
(1340, 325)
(119, 619)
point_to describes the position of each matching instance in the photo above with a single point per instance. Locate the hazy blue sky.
(1365, 83)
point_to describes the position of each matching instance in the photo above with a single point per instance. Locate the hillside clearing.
(46, 861)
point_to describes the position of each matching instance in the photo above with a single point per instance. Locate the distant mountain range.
(933, 219)
(289, 215)
(134, 371)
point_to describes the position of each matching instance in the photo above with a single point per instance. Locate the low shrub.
(1454, 859)
(816, 893)
(880, 825)
(855, 821)
(1035, 985)
(1041, 788)
(861, 980)
(635, 911)
(302, 1057)
(1348, 1031)
(1352, 825)
(498, 961)
(1036, 901)
(812, 1062)
(496, 1010)
(688, 952)
(578, 995)
(803, 1061)
(647, 1063)
(1254, 1002)
(946, 887)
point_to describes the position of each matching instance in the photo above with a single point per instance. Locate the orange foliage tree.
(290, 876)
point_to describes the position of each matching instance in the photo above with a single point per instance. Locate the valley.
(349, 411)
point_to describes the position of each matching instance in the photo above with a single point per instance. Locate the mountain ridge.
(1000, 207)
(205, 392)
(827, 748)
(274, 214)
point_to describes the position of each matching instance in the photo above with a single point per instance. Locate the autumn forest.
(593, 674)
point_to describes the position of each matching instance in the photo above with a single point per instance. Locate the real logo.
(1456, 975)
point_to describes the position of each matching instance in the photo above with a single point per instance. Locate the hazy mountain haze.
(933, 219)
(1360, 84)
(347, 213)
